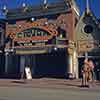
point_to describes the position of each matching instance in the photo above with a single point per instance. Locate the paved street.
(47, 89)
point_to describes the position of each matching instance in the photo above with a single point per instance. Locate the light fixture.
(32, 19)
(20, 26)
(45, 4)
(24, 6)
(5, 10)
(55, 48)
(46, 23)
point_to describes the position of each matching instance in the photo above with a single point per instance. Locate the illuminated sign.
(33, 36)
(32, 32)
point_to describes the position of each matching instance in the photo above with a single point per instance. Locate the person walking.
(92, 72)
(85, 73)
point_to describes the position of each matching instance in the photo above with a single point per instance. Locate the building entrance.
(52, 64)
(45, 65)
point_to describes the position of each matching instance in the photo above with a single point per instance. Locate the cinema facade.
(42, 38)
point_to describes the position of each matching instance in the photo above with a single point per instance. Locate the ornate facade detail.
(57, 28)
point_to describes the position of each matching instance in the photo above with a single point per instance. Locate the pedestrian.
(85, 73)
(92, 72)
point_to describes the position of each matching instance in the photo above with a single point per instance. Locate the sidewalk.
(44, 83)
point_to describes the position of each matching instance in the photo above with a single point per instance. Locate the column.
(22, 65)
(2, 38)
(70, 62)
(6, 61)
(75, 64)
(33, 64)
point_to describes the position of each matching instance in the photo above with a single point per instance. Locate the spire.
(87, 6)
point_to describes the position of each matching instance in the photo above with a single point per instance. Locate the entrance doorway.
(41, 65)
(50, 65)
(45, 65)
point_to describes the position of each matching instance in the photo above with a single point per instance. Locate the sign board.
(33, 34)
(28, 73)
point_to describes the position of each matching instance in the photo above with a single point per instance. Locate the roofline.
(38, 10)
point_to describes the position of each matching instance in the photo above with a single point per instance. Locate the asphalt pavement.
(47, 89)
(46, 83)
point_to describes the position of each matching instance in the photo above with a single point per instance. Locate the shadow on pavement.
(69, 84)
(2, 99)
(20, 82)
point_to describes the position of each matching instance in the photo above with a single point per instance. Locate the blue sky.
(95, 4)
